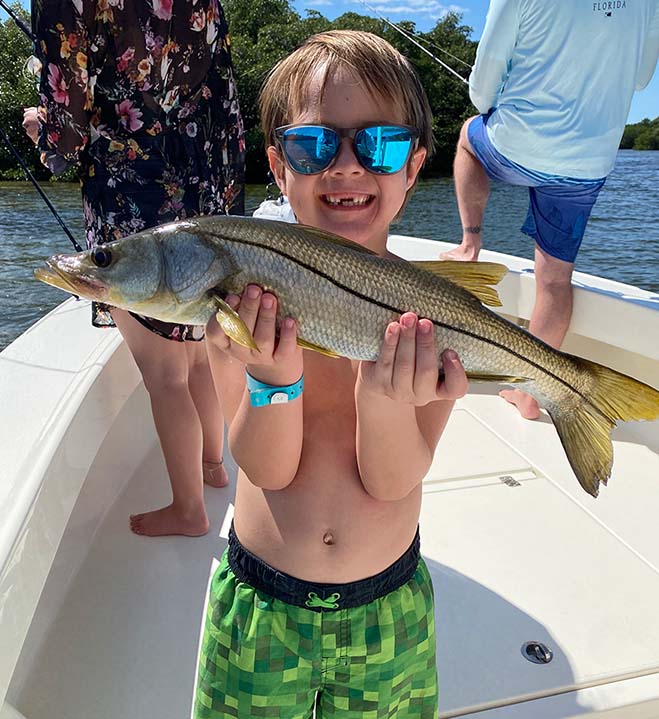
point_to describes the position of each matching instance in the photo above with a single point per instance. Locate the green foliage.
(642, 135)
(17, 90)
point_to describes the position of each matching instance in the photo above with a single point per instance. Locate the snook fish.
(342, 297)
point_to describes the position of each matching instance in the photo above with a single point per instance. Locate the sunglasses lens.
(309, 148)
(383, 149)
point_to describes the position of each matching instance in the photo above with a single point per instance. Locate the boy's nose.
(346, 162)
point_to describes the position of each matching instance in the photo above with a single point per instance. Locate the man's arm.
(495, 50)
(650, 54)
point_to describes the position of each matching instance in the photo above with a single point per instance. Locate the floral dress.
(140, 95)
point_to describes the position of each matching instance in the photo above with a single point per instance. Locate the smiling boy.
(322, 601)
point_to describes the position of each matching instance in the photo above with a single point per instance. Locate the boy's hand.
(279, 361)
(407, 368)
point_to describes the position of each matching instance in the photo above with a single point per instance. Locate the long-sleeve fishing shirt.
(560, 76)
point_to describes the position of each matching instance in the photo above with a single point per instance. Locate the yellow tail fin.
(586, 432)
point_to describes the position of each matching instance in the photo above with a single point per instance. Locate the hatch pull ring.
(537, 652)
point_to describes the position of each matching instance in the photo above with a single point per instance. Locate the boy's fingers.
(455, 384)
(403, 375)
(384, 365)
(250, 303)
(287, 338)
(264, 331)
(427, 363)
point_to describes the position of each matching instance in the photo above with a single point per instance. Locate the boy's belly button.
(328, 537)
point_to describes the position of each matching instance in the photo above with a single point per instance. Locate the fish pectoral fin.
(475, 277)
(316, 348)
(503, 378)
(233, 326)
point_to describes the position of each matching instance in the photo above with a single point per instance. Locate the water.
(621, 242)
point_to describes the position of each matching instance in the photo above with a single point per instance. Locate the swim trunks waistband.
(319, 597)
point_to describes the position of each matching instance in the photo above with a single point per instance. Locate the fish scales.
(343, 299)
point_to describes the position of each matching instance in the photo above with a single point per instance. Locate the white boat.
(97, 623)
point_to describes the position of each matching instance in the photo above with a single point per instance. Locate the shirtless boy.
(321, 600)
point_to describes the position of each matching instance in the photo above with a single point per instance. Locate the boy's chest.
(329, 387)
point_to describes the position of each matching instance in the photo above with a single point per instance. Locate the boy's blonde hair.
(384, 72)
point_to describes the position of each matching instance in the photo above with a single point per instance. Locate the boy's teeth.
(347, 201)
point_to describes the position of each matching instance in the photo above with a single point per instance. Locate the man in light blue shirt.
(553, 82)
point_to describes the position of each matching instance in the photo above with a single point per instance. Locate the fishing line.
(412, 39)
(425, 40)
(37, 186)
(22, 26)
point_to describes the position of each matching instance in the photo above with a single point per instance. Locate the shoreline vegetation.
(263, 32)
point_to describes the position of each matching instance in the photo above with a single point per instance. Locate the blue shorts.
(559, 207)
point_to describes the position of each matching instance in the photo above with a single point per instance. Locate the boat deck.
(517, 551)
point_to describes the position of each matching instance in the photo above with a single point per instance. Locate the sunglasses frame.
(343, 132)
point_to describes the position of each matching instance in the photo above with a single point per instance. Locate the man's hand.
(407, 368)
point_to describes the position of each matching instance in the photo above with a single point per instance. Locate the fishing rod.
(412, 39)
(22, 26)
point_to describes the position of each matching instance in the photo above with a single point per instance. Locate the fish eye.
(101, 257)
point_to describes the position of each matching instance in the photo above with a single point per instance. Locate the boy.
(321, 600)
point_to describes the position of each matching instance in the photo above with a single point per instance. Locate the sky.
(425, 13)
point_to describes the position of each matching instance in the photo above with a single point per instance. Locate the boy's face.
(327, 200)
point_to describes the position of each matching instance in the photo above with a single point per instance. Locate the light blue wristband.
(262, 394)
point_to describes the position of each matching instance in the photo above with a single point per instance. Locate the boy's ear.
(277, 167)
(414, 165)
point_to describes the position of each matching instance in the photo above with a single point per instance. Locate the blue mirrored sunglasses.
(381, 149)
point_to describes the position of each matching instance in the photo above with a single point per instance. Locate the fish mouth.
(51, 274)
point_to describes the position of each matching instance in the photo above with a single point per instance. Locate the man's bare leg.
(550, 318)
(165, 369)
(472, 189)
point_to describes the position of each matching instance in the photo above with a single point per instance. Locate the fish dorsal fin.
(335, 239)
(475, 277)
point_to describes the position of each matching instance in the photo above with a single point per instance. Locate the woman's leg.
(209, 408)
(165, 368)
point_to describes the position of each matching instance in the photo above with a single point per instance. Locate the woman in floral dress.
(140, 96)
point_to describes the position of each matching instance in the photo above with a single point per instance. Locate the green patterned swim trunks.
(265, 657)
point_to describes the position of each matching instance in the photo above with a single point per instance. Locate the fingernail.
(393, 329)
(289, 323)
(253, 292)
(424, 327)
(267, 302)
(232, 300)
(451, 356)
(408, 320)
